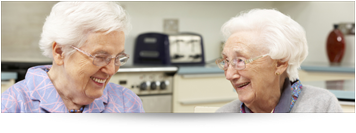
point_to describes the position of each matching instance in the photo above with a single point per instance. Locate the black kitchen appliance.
(169, 49)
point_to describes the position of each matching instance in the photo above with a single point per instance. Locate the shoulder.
(232, 107)
(315, 99)
(312, 92)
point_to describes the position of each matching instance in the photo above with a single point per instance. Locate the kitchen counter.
(207, 69)
(320, 67)
(148, 68)
(326, 67)
(8, 75)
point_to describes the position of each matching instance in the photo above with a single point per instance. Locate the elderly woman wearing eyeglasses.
(260, 58)
(86, 42)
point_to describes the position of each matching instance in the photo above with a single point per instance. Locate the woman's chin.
(94, 95)
(246, 99)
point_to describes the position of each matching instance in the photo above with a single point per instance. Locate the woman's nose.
(110, 68)
(231, 73)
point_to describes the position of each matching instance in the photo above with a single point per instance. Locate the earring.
(277, 73)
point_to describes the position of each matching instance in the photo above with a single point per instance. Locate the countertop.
(206, 69)
(8, 75)
(326, 67)
(148, 68)
(320, 67)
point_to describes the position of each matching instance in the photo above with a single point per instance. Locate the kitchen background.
(21, 26)
(22, 23)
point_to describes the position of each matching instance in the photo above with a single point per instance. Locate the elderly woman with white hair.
(263, 51)
(86, 43)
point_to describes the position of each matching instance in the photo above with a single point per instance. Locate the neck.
(267, 103)
(264, 107)
(66, 90)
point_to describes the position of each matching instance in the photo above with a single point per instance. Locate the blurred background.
(22, 23)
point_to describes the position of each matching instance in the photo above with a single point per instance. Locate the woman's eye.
(101, 57)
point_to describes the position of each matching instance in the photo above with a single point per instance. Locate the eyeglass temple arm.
(250, 60)
(82, 51)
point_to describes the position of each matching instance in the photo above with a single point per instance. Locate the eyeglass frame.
(106, 60)
(218, 61)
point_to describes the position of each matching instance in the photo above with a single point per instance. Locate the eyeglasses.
(104, 59)
(238, 63)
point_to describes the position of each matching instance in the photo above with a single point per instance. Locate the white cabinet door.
(157, 103)
(208, 90)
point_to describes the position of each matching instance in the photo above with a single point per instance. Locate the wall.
(22, 23)
(317, 18)
(21, 28)
(205, 18)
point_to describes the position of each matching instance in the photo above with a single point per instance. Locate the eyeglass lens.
(102, 60)
(237, 63)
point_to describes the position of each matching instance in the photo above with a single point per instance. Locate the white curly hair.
(69, 23)
(283, 37)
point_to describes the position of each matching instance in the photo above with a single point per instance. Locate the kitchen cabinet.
(191, 90)
(200, 86)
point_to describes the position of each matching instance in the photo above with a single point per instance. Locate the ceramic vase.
(335, 45)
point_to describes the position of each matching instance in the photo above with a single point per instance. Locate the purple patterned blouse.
(36, 94)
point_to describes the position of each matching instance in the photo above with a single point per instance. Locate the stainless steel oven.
(153, 84)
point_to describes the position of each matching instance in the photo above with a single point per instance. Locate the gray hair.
(70, 23)
(284, 38)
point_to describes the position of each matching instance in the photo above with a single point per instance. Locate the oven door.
(157, 103)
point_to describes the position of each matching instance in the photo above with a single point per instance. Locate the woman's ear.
(281, 67)
(57, 53)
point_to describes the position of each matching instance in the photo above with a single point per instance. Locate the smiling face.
(258, 80)
(86, 80)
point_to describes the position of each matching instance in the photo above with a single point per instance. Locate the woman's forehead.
(241, 43)
(234, 50)
(102, 43)
(240, 50)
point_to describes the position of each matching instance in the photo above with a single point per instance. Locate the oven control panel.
(144, 83)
